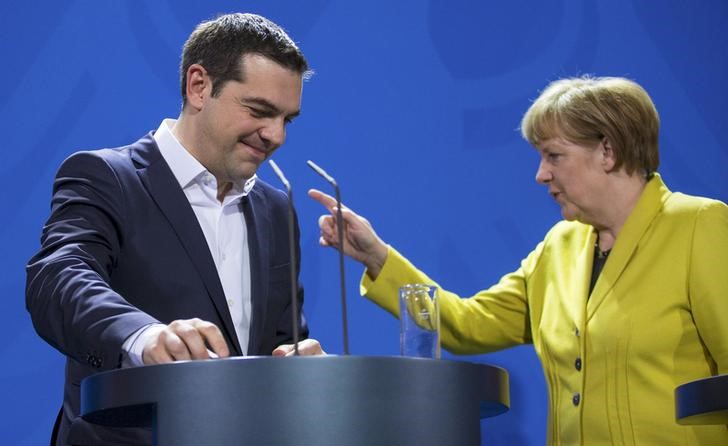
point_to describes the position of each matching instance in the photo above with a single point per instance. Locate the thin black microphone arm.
(292, 253)
(340, 230)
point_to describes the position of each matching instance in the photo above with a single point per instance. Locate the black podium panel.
(330, 400)
(704, 401)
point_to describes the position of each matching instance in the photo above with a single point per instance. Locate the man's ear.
(198, 86)
(608, 156)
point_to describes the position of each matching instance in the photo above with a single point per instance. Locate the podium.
(326, 400)
(703, 401)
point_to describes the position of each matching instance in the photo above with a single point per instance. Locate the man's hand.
(360, 241)
(184, 339)
(307, 347)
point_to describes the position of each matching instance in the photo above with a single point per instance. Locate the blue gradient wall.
(414, 108)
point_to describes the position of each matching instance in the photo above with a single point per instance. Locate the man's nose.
(275, 132)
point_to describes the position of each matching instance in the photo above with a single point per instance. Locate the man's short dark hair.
(219, 44)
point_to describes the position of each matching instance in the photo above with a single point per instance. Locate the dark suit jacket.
(123, 249)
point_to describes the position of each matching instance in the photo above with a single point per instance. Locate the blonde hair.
(585, 110)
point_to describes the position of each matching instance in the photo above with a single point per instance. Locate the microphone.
(291, 254)
(340, 230)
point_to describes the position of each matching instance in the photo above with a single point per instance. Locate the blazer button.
(576, 399)
(577, 364)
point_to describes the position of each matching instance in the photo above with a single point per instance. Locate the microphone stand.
(340, 230)
(292, 253)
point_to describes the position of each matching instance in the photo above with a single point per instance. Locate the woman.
(624, 300)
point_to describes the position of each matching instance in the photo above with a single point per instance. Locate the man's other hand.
(307, 347)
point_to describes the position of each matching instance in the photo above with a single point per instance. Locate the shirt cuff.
(133, 347)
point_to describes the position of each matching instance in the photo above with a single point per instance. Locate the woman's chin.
(569, 214)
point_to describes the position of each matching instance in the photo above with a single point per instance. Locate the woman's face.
(575, 175)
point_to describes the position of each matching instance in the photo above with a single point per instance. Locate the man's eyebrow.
(268, 106)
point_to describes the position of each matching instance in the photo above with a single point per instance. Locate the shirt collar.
(184, 166)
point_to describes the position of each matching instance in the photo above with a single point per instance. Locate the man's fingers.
(307, 347)
(165, 347)
(310, 347)
(178, 347)
(282, 350)
(156, 353)
(214, 338)
(193, 344)
(183, 340)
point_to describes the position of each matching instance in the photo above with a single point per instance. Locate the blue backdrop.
(414, 108)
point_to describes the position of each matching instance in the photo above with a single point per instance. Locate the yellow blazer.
(657, 318)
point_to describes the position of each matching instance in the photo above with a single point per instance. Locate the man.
(171, 248)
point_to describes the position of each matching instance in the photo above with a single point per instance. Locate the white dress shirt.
(225, 232)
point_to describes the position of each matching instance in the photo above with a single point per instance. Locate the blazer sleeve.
(708, 280)
(68, 295)
(492, 319)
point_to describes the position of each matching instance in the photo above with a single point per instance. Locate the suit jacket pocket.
(279, 273)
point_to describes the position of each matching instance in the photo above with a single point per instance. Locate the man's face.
(246, 122)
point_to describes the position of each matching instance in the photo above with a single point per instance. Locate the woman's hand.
(360, 241)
